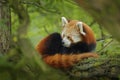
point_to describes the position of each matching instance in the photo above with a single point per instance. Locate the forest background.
(26, 22)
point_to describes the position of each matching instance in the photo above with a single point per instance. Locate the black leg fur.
(53, 43)
(79, 48)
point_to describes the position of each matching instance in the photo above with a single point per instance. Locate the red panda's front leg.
(50, 44)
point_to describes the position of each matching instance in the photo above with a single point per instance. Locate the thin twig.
(105, 46)
(102, 35)
(46, 30)
(105, 37)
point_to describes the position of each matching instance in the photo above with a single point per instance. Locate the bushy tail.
(66, 60)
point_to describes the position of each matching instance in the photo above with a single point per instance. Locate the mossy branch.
(94, 69)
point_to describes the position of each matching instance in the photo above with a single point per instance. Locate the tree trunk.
(5, 27)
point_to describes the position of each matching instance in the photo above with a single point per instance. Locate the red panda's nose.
(63, 42)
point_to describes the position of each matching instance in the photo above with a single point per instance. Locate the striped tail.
(66, 60)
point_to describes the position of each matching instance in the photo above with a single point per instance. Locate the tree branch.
(94, 69)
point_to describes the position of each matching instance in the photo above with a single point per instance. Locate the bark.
(96, 69)
(5, 27)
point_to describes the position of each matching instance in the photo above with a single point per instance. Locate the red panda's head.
(75, 31)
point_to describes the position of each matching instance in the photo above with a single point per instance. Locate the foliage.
(45, 18)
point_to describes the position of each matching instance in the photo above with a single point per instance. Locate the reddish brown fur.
(41, 47)
(89, 37)
(61, 60)
(65, 60)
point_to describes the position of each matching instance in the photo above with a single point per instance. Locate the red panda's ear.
(80, 26)
(64, 21)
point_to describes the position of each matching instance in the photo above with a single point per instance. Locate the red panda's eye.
(68, 37)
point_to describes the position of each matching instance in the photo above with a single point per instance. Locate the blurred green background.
(45, 18)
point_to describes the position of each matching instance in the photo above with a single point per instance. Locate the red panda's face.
(72, 32)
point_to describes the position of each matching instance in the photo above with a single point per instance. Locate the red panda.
(77, 36)
(74, 44)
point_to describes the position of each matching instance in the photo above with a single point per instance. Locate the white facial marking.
(64, 21)
(76, 38)
(66, 42)
(80, 25)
